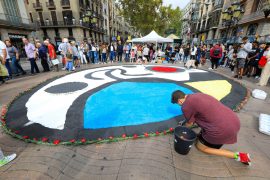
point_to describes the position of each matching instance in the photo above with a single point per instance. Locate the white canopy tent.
(153, 37)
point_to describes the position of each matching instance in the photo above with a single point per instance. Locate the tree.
(150, 14)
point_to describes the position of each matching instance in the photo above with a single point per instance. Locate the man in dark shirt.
(120, 50)
(43, 55)
(251, 60)
(219, 124)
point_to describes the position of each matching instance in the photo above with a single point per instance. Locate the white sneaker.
(257, 77)
(210, 69)
(7, 159)
(63, 69)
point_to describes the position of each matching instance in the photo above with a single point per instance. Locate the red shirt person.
(215, 55)
(219, 124)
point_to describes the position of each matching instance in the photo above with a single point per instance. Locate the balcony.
(65, 3)
(37, 6)
(16, 22)
(50, 5)
(252, 17)
(69, 23)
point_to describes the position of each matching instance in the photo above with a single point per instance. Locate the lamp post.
(231, 16)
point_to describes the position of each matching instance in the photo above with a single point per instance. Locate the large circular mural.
(109, 102)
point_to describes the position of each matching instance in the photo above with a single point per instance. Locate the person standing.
(112, 52)
(119, 52)
(75, 54)
(104, 54)
(146, 52)
(186, 54)
(245, 48)
(203, 55)
(181, 53)
(266, 69)
(31, 53)
(64, 48)
(215, 55)
(81, 53)
(43, 55)
(14, 56)
(219, 124)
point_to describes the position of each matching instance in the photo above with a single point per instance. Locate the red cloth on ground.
(219, 123)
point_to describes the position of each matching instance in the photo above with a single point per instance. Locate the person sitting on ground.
(219, 124)
(6, 159)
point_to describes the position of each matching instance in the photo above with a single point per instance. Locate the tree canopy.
(151, 15)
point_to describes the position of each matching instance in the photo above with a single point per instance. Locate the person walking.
(43, 55)
(215, 55)
(5, 56)
(52, 55)
(219, 124)
(31, 53)
(15, 58)
(186, 54)
(245, 48)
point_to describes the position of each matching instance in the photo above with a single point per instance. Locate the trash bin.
(183, 139)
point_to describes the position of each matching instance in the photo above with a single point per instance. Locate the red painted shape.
(164, 69)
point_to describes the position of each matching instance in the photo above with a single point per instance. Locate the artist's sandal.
(7, 159)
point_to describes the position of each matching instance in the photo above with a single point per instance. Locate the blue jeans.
(69, 66)
(95, 57)
(112, 56)
(185, 59)
(8, 67)
(33, 65)
(104, 58)
(16, 65)
(127, 57)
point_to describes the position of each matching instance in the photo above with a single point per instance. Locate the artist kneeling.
(219, 124)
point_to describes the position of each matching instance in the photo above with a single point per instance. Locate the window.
(70, 32)
(11, 10)
(31, 17)
(252, 29)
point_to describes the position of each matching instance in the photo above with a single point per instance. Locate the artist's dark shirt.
(120, 49)
(219, 123)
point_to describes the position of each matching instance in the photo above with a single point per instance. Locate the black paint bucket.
(183, 139)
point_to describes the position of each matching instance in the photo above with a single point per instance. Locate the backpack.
(216, 51)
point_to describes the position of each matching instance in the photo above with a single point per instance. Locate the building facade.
(14, 22)
(252, 24)
(77, 20)
(185, 33)
(204, 20)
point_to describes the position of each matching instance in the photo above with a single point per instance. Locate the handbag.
(55, 62)
(3, 70)
(262, 61)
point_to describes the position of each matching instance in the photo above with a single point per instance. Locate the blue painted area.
(131, 103)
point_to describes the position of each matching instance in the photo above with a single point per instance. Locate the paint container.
(183, 139)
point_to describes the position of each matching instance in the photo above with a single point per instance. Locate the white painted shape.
(49, 110)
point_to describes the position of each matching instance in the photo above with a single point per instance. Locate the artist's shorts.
(240, 62)
(204, 142)
(252, 63)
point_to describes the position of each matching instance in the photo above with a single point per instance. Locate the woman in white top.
(81, 53)
(266, 70)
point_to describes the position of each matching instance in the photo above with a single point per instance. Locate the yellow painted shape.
(217, 88)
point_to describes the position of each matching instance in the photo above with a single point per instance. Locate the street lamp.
(231, 16)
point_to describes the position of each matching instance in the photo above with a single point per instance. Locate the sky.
(175, 3)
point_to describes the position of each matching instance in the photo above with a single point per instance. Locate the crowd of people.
(245, 59)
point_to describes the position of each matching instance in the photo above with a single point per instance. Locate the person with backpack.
(15, 58)
(215, 55)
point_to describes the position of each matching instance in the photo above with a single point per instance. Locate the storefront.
(16, 40)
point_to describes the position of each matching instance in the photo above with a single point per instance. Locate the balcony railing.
(65, 3)
(50, 5)
(252, 17)
(16, 22)
(69, 23)
(37, 6)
